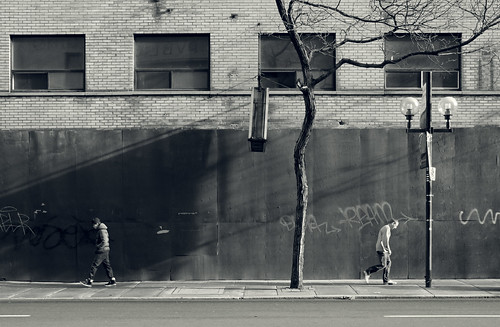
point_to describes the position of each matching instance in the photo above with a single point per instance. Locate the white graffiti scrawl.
(12, 220)
(489, 216)
(311, 224)
(359, 216)
(367, 214)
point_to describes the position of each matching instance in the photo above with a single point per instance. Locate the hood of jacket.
(102, 238)
(102, 226)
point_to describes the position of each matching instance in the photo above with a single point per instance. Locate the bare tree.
(363, 22)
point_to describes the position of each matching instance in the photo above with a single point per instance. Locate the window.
(48, 63)
(407, 74)
(172, 62)
(280, 66)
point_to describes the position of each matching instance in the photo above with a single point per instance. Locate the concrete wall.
(229, 212)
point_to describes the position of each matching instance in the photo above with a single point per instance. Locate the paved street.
(290, 313)
(252, 303)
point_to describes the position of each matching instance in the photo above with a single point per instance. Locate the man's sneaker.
(390, 282)
(110, 283)
(87, 283)
(367, 276)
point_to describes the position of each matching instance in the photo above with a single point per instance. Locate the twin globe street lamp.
(410, 108)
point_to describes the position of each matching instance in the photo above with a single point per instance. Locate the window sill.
(123, 93)
(291, 92)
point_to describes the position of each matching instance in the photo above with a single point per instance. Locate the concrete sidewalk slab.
(260, 293)
(234, 292)
(487, 285)
(199, 291)
(147, 292)
(306, 292)
(110, 293)
(335, 291)
(36, 293)
(12, 291)
(457, 288)
(395, 291)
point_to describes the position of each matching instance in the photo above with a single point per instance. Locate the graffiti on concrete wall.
(489, 217)
(359, 216)
(53, 235)
(312, 225)
(11, 220)
(39, 231)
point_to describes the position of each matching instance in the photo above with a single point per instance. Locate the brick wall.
(111, 102)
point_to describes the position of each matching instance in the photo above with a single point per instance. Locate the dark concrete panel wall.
(196, 204)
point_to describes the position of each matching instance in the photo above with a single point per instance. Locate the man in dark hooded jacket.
(101, 254)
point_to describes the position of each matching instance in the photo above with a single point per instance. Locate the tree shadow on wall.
(141, 183)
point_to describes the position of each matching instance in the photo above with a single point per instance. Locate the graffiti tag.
(474, 215)
(367, 214)
(12, 220)
(311, 224)
(359, 216)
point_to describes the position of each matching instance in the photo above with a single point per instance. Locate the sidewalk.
(247, 290)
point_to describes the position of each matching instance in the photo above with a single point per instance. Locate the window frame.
(172, 71)
(296, 71)
(49, 73)
(393, 69)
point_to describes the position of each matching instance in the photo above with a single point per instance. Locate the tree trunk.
(302, 189)
(307, 89)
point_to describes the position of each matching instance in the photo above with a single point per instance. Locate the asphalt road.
(289, 313)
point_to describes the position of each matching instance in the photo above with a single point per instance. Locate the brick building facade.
(110, 100)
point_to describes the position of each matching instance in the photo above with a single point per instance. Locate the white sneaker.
(110, 283)
(87, 282)
(390, 282)
(367, 277)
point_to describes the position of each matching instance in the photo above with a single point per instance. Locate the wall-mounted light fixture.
(257, 132)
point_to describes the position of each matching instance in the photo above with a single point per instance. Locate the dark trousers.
(385, 263)
(101, 258)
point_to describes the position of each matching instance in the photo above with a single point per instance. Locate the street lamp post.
(409, 108)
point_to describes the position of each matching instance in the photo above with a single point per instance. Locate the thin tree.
(363, 22)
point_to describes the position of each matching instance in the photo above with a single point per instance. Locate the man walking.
(384, 254)
(101, 254)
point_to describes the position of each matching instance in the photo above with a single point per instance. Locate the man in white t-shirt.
(384, 253)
